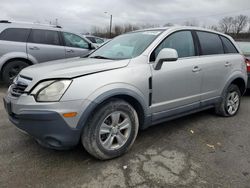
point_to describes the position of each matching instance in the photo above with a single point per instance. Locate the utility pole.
(110, 29)
(110, 24)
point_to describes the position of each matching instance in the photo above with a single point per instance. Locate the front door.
(75, 46)
(176, 86)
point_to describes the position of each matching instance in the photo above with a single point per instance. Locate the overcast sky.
(82, 15)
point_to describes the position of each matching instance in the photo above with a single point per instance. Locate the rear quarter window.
(228, 45)
(210, 43)
(15, 34)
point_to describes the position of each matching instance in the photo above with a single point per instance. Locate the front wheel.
(230, 103)
(111, 130)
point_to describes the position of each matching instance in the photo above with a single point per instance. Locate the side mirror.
(166, 54)
(91, 46)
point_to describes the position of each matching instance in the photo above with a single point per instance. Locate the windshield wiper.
(99, 57)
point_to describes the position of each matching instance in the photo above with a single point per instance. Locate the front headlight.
(50, 91)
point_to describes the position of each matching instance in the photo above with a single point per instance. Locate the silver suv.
(24, 44)
(136, 80)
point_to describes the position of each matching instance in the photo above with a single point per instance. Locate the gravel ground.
(200, 150)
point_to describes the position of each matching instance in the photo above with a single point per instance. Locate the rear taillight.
(248, 64)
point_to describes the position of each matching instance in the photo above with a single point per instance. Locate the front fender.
(109, 91)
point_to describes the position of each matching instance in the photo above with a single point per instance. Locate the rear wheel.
(230, 103)
(111, 130)
(11, 70)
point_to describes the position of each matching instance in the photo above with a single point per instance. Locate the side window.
(210, 43)
(99, 41)
(181, 41)
(92, 39)
(44, 37)
(228, 45)
(75, 41)
(15, 34)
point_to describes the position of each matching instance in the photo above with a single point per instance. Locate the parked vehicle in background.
(24, 44)
(97, 41)
(245, 48)
(134, 81)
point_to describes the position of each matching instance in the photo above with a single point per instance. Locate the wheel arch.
(14, 59)
(135, 100)
(239, 81)
(241, 84)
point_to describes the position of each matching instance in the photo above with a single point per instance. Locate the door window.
(99, 41)
(210, 43)
(92, 39)
(75, 41)
(15, 34)
(44, 37)
(181, 41)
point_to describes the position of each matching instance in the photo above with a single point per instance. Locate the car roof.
(7, 24)
(182, 28)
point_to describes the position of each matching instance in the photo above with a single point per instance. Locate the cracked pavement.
(200, 150)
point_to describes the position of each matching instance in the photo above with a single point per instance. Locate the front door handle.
(228, 64)
(196, 69)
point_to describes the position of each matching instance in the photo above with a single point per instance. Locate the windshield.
(245, 47)
(126, 46)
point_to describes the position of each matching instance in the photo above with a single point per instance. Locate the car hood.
(70, 68)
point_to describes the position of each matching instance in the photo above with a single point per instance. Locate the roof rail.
(5, 21)
(21, 22)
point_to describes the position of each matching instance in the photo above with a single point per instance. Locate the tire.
(115, 121)
(231, 94)
(11, 70)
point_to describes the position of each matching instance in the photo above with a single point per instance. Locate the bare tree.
(248, 25)
(191, 23)
(213, 27)
(118, 30)
(226, 24)
(147, 25)
(239, 23)
(168, 25)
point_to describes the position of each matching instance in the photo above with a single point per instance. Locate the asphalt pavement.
(200, 150)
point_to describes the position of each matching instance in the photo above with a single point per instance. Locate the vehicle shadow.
(247, 93)
(145, 139)
(2, 85)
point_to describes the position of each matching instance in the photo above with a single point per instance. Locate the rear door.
(14, 40)
(45, 45)
(216, 65)
(75, 46)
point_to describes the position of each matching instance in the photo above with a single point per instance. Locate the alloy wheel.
(115, 130)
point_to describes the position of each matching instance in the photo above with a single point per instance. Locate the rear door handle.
(34, 48)
(196, 69)
(228, 64)
(70, 51)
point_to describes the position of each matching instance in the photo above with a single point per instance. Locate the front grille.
(19, 85)
(17, 89)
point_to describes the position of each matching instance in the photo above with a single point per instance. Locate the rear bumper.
(48, 127)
